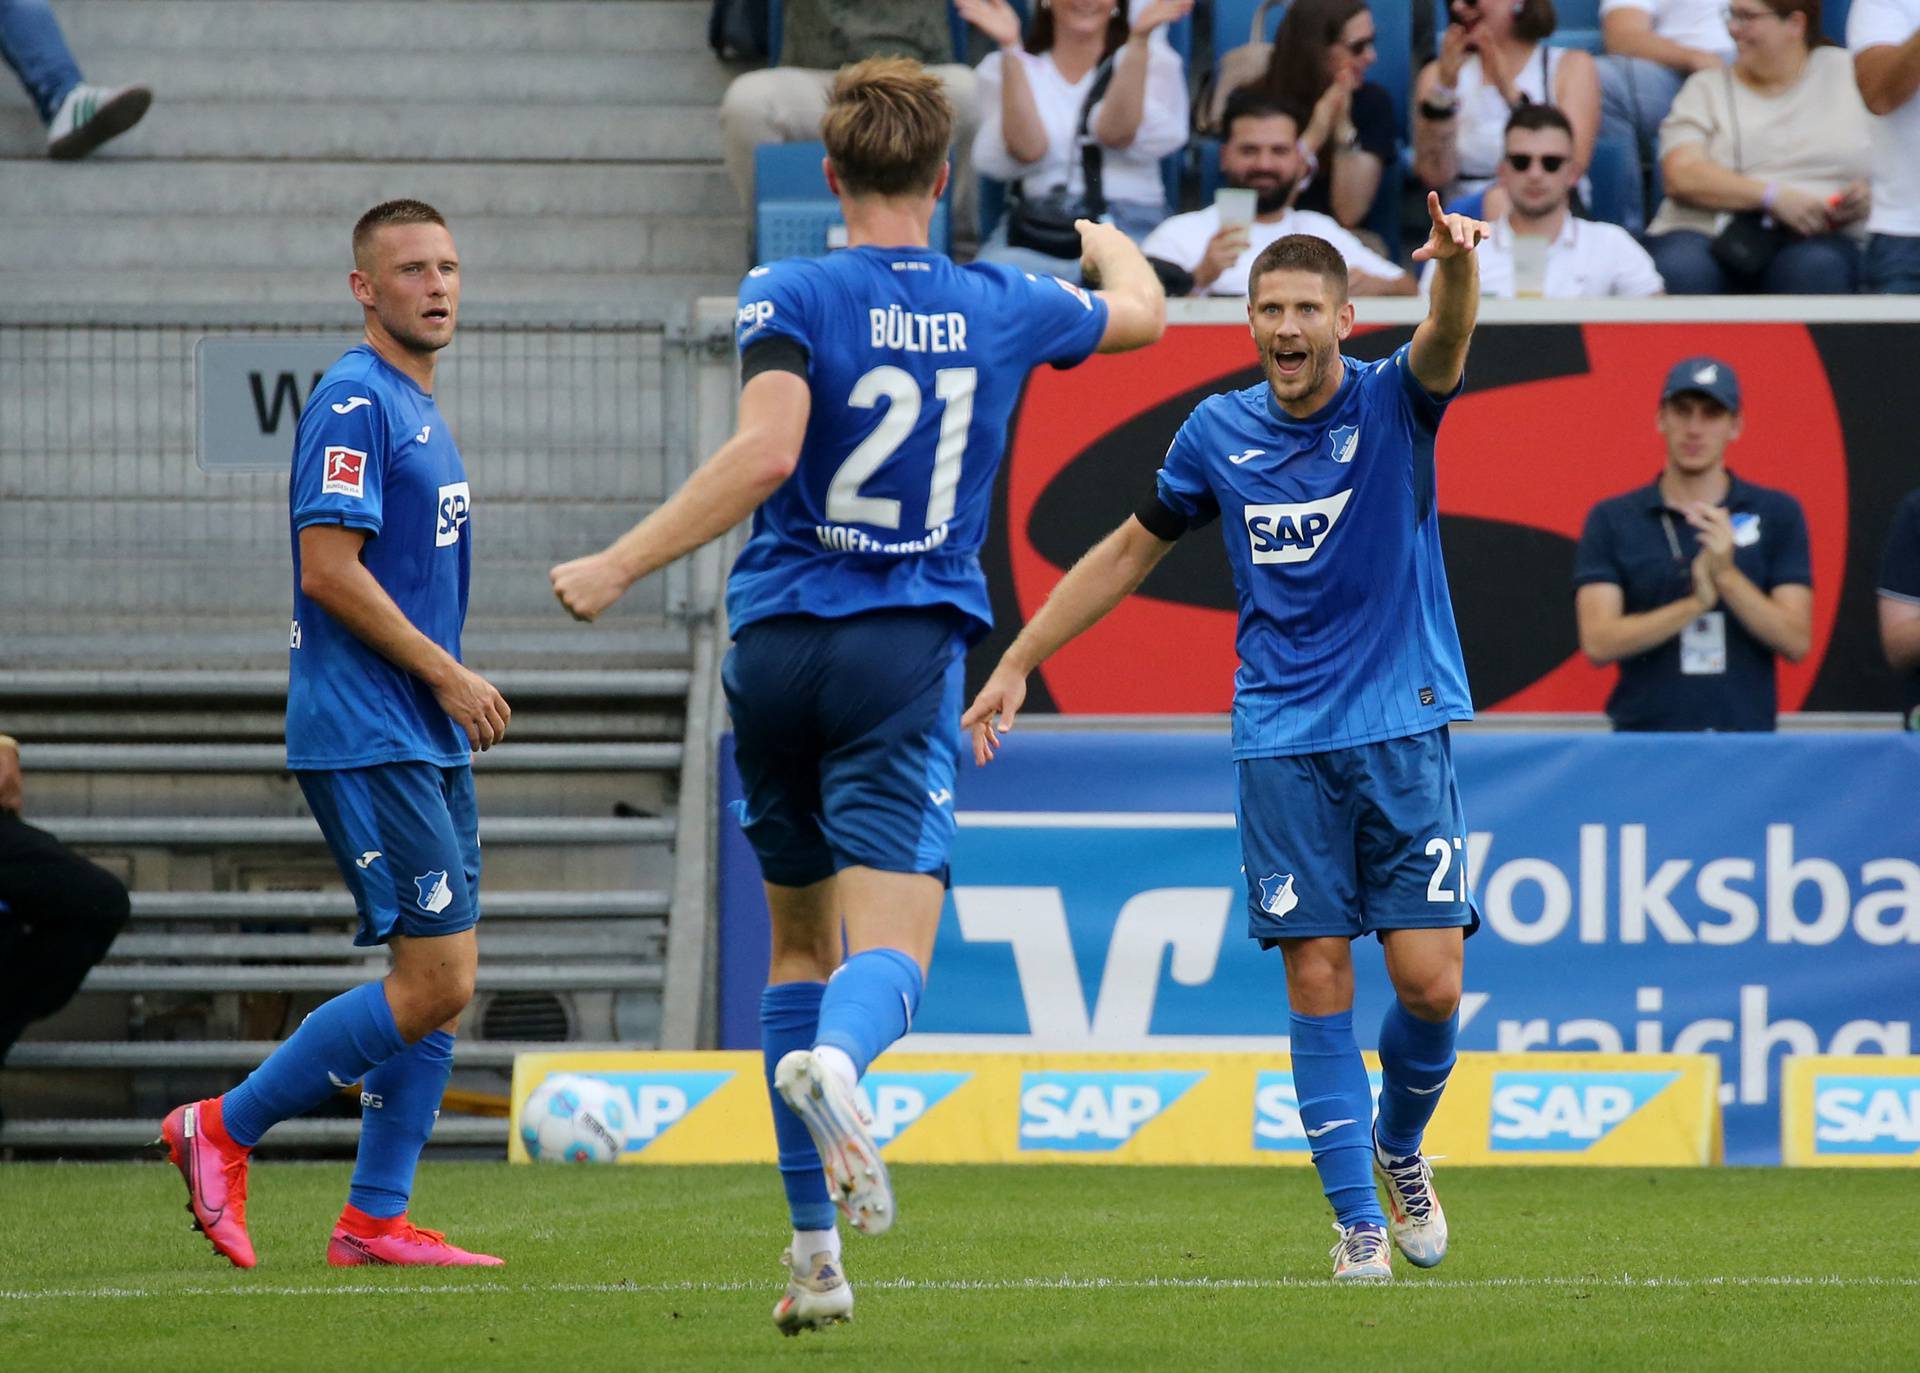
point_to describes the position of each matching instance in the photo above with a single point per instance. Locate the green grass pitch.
(642, 1269)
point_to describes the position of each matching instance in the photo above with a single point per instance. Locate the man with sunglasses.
(1538, 247)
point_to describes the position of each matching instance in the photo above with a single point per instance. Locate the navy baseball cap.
(1706, 376)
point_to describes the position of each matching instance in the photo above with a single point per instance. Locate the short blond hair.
(887, 127)
(389, 212)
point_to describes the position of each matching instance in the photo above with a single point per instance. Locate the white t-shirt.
(1896, 136)
(1586, 258)
(1812, 136)
(1698, 24)
(1480, 137)
(1131, 175)
(1183, 239)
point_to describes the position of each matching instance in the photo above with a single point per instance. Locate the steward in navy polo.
(1899, 595)
(1697, 582)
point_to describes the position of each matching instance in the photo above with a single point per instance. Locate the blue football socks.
(789, 1019)
(399, 1102)
(333, 1048)
(1415, 1058)
(869, 1003)
(1336, 1110)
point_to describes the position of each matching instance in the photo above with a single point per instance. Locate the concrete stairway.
(573, 147)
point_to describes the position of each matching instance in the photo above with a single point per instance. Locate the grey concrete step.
(426, 28)
(394, 129)
(549, 946)
(187, 686)
(337, 193)
(173, 759)
(650, 295)
(606, 975)
(337, 905)
(113, 831)
(289, 1134)
(666, 242)
(245, 1053)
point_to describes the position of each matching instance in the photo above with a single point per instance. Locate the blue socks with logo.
(399, 1102)
(333, 1048)
(1415, 1058)
(869, 1003)
(1336, 1110)
(789, 1019)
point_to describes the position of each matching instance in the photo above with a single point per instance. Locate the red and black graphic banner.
(1554, 418)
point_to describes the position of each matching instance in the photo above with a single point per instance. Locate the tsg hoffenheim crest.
(1344, 440)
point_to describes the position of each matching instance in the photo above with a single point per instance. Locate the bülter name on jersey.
(1293, 533)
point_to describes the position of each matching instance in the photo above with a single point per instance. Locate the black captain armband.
(776, 354)
(1159, 521)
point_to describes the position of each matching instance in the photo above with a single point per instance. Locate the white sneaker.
(1361, 1254)
(840, 1129)
(817, 1295)
(90, 115)
(1416, 1221)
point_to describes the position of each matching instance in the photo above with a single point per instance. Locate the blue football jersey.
(373, 453)
(914, 365)
(1346, 631)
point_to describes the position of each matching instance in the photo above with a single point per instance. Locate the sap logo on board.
(1866, 1115)
(1093, 1112)
(661, 1100)
(897, 1100)
(1568, 1112)
(1293, 533)
(1277, 1127)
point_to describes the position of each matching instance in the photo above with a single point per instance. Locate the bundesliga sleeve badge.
(345, 473)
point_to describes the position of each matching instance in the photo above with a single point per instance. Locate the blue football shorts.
(1354, 841)
(406, 837)
(846, 734)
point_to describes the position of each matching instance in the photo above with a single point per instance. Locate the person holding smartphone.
(1261, 162)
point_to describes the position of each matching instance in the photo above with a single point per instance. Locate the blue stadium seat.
(1393, 56)
(1612, 174)
(1233, 21)
(776, 29)
(1833, 20)
(959, 27)
(1586, 40)
(793, 211)
(1576, 14)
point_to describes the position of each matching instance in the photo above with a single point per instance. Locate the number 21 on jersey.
(953, 386)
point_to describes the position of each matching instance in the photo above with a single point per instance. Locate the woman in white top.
(1776, 147)
(1030, 101)
(1494, 58)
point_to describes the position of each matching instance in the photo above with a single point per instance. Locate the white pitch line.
(1623, 1281)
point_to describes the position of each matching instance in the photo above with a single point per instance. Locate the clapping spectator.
(1539, 247)
(1885, 38)
(1321, 54)
(1031, 97)
(1494, 57)
(1652, 47)
(79, 117)
(1259, 153)
(1766, 164)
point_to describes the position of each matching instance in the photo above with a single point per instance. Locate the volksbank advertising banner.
(1551, 1109)
(1751, 897)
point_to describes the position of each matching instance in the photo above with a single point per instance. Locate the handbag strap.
(1092, 155)
(1733, 117)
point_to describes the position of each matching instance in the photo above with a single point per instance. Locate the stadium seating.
(794, 214)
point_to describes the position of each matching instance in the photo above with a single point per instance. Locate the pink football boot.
(215, 1169)
(361, 1238)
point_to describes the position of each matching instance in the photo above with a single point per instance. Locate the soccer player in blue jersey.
(878, 382)
(1322, 477)
(382, 718)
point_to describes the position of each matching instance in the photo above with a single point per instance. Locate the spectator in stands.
(79, 117)
(1321, 54)
(1030, 103)
(1493, 58)
(58, 913)
(785, 104)
(1652, 47)
(1695, 584)
(1885, 38)
(1260, 152)
(1539, 247)
(1765, 164)
(1900, 605)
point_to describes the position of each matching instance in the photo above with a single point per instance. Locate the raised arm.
(1888, 74)
(724, 490)
(1136, 303)
(1438, 354)
(1107, 574)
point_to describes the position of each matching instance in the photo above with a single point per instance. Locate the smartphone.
(1235, 206)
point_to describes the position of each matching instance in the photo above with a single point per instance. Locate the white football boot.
(818, 1295)
(841, 1131)
(1362, 1254)
(1418, 1225)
